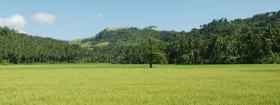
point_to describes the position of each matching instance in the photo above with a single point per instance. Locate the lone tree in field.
(153, 47)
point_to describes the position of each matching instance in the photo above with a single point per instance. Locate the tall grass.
(104, 84)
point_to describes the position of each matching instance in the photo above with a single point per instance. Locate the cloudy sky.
(71, 19)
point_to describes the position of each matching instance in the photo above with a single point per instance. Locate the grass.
(105, 84)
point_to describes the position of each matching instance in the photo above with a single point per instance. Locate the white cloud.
(44, 18)
(15, 22)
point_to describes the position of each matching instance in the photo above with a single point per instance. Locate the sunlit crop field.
(106, 84)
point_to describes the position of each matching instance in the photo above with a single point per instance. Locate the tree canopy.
(222, 41)
(22, 48)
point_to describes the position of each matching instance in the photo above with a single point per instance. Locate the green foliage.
(251, 40)
(271, 59)
(21, 48)
(153, 51)
(4, 62)
(218, 42)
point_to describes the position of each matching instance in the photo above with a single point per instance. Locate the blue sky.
(71, 19)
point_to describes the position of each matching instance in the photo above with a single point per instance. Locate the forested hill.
(21, 48)
(216, 27)
(252, 40)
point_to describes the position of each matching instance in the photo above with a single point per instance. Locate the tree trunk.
(151, 65)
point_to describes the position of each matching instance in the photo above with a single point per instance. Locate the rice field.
(109, 84)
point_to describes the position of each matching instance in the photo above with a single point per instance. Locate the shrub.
(273, 58)
(4, 62)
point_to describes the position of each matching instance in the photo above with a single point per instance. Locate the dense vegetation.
(251, 40)
(21, 48)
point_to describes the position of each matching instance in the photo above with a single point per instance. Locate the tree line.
(240, 41)
(17, 48)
